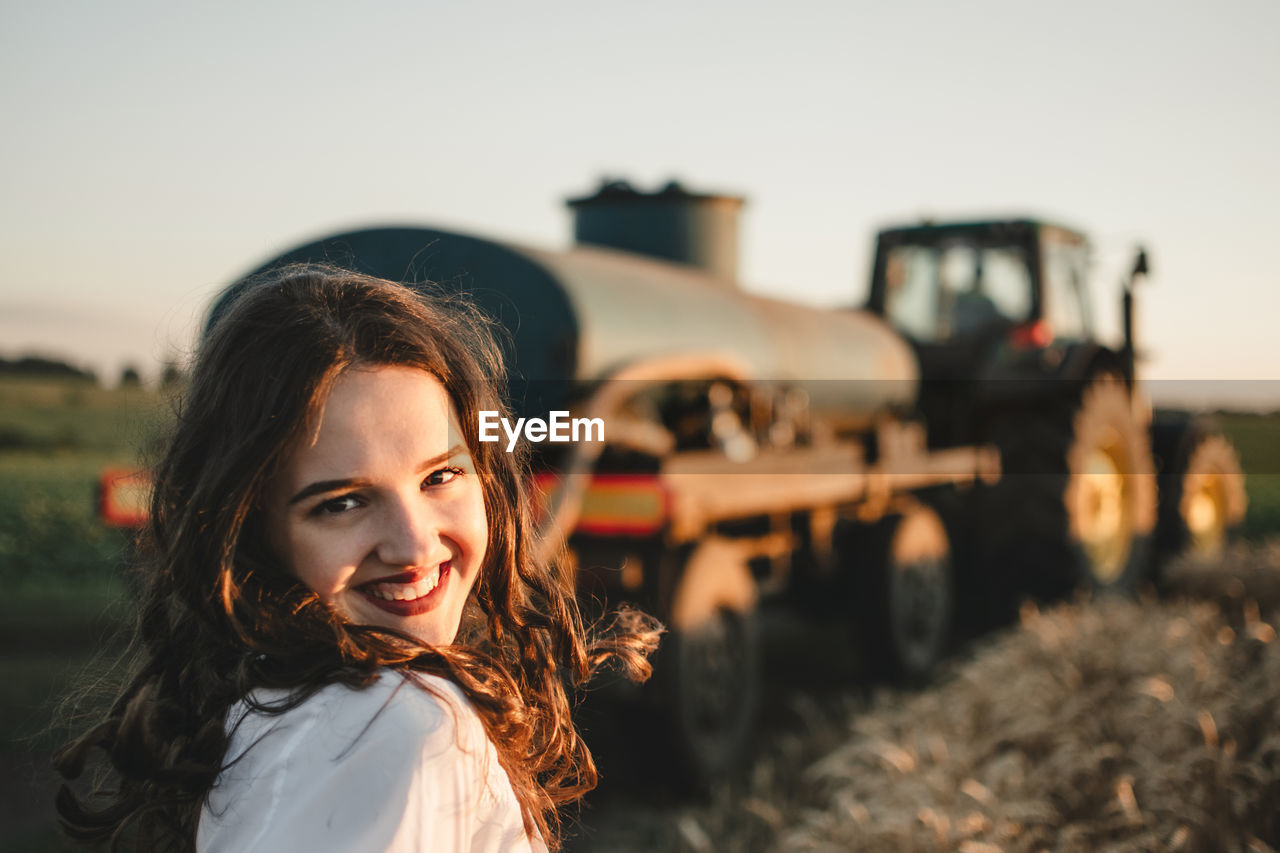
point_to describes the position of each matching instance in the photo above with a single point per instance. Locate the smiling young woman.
(344, 641)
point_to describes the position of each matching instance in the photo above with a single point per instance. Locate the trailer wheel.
(711, 663)
(906, 599)
(1202, 489)
(1076, 504)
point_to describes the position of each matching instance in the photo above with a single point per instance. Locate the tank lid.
(616, 189)
(672, 224)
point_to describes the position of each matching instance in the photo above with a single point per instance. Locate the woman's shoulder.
(416, 712)
(404, 758)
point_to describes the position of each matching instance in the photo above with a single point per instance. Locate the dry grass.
(1095, 725)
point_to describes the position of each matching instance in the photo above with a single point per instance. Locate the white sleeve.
(389, 768)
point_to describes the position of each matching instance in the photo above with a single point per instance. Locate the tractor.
(1096, 492)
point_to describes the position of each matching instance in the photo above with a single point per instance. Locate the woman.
(344, 642)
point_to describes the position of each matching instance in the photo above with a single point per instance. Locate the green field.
(1257, 440)
(56, 437)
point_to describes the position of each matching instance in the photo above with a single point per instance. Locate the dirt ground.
(1094, 725)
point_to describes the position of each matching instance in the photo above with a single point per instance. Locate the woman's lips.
(409, 593)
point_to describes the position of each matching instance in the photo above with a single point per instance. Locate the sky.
(153, 152)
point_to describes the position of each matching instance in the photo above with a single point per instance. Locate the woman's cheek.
(324, 561)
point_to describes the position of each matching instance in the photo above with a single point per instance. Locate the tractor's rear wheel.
(1076, 504)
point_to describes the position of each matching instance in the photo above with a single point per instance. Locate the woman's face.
(380, 510)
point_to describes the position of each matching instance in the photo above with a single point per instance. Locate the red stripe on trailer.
(613, 504)
(124, 496)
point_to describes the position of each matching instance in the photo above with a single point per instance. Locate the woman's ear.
(265, 523)
(255, 548)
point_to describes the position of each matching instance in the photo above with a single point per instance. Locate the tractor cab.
(983, 303)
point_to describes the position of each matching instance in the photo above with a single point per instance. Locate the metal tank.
(577, 317)
(699, 229)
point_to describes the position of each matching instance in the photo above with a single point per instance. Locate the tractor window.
(1065, 269)
(955, 290)
(1006, 279)
(911, 291)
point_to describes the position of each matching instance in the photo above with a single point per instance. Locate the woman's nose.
(410, 535)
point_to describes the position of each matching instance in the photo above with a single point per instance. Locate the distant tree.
(129, 377)
(34, 365)
(171, 375)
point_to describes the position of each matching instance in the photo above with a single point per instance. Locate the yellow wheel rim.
(1105, 525)
(1204, 508)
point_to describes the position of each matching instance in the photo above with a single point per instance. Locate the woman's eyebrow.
(456, 450)
(322, 486)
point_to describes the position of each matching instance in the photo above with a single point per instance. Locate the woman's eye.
(439, 478)
(338, 505)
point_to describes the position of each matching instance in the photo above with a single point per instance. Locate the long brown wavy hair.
(219, 616)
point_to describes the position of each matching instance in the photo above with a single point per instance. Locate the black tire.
(713, 693)
(904, 595)
(1202, 488)
(710, 668)
(1076, 503)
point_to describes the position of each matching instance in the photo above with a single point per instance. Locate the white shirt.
(391, 767)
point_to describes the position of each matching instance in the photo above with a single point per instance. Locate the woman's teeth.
(405, 591)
